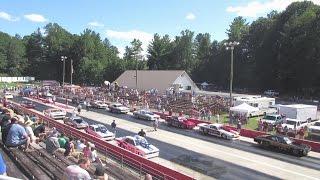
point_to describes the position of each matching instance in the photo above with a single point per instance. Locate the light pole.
(63, 59)
(71, 71)
(231, 45)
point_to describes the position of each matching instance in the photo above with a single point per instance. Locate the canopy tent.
(244, 108)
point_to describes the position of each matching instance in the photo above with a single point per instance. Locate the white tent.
(244, 108)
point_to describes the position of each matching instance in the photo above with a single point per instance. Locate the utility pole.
(63, 59)
(71, 71)
(136, 71)
(231, 46)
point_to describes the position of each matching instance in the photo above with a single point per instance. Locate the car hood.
(57, 113)
(122, 108)
(104, 135)
(268, 121)
(300, 145)
(148, 148)
(229, 133)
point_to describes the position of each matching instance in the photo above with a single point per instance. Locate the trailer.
(299, 111)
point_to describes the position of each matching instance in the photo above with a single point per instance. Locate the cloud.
(190, 16)
(256, 8)
(8, 17)
(35, 18)
(128, 36)
(95, 24)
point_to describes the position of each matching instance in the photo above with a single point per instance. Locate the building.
(255, 101)
(158, 79)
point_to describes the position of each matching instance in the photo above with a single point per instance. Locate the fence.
(16, 79)
(139, 163)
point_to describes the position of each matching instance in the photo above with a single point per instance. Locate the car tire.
(224, 136)
(296, 152)
(265, 144)
(183, 126)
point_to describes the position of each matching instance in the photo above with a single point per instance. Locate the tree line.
(280, 51)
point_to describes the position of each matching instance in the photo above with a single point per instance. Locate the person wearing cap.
(17, 135)
(100, 173)
(78, 171)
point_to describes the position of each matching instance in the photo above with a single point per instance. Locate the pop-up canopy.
(244, 108)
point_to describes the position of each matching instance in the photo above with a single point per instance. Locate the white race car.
(138, 145)
(145, 114)
(218, 130)
(100, 131)
(99, 105)
(118, 108)
(56, 114)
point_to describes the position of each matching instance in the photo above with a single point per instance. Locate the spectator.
(3, 167)
(70, 150)
(80, 145)
(155, 124)
(285, 130)
(239, 126)
(86, 151)
(17, 135)
(79, 108)
(93, 154)
(5, 127)
(73, 172)
(265, 126)
(260, 125)
(142, 133)
(62, 141)
(100, 174)
(52, 145)
(218, 118)
(148, 177)
(209, 114)
(301, 133)
(40, 132)
(33, 138)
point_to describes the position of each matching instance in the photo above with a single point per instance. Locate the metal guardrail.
(125, 157)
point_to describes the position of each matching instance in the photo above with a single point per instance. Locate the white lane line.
(193, 144)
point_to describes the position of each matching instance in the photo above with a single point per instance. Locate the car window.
(130, 141)
(214, 127)
(270, 117)
(317, 124)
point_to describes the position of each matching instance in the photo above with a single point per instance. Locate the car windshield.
(287, 140)
(55, 110)
(102, 129)
(151, 113)
(291, 122)
(317, 124)
(118, 105)
(79, 121)
(271, 118)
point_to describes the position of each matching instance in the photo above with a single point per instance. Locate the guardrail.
(143, 165)
(315, 146)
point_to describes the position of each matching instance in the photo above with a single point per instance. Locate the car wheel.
(265, 144)
(296, 152)
(224, 136)
(183, 126)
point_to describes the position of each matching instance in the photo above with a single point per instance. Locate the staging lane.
(202, 158)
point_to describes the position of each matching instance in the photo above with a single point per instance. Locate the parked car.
(146, 115)
(273, 119)
(100, 131)
(118, 108)
(56, 114)
(283, 143)
(76, 122)
(295, 124)
(99, 104)
(218, 130)
(27, 104)
(8, 95)
(271, 93)
(138, 145)
(180, 122)
(314, 130)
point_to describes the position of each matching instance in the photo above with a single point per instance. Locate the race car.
(56, 114)
(118, 108)
(8, 95)
(99, 104)
(180, 122)
(218, 130)
(138, 145)
(145, 114)
(283, 143)
(76, 121)
(100, 131)
(27, 104)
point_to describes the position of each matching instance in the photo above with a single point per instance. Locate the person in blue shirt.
(3, 167)
(17, 135)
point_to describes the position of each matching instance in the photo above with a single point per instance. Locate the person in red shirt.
(301, 133)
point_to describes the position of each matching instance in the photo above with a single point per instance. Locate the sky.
(123, 20)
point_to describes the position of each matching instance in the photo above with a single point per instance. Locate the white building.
(159, 79)
(255, 101)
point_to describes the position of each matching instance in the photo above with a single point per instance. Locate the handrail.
(135, 160)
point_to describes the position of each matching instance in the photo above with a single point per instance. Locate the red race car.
(180, 122)
(27, 104)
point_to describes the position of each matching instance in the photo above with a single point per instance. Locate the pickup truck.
(295, 125)
(314, 130)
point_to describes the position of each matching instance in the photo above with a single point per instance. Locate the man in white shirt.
(75, 172)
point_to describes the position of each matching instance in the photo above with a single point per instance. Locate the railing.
(137, 162)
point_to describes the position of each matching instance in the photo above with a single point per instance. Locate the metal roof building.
(159, 79)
